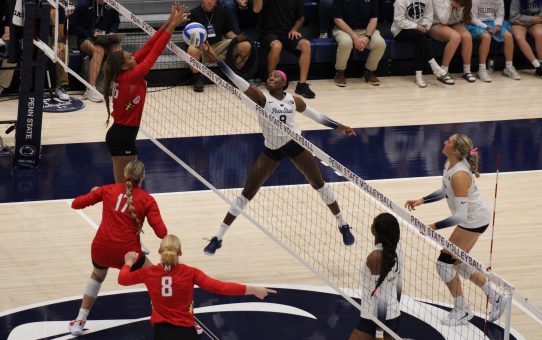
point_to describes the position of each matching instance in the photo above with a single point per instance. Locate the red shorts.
(111, 256)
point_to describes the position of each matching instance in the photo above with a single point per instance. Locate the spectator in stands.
(91, 19)
(449, 17)
(219, 35)
(411, 20)
(487, 23)
(6, 75)
(234, 8)
(355, 27)
(280, 21)
(324, 17)
(526, 17)
(61, 75)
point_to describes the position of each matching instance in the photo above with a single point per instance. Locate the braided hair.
(133, 175)
(386, 230)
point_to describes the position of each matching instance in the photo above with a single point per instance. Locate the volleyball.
(194, 34)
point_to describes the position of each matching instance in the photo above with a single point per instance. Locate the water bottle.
(490, 65)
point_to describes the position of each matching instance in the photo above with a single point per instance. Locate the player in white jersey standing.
(382, 281)
(279, 145)
(471, 215)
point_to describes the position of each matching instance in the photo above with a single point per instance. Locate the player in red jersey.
(125, 80)
(125, 207)
(171, 288)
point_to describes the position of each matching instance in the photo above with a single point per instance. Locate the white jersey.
(284, 110)
(478, 211)
(385, 303)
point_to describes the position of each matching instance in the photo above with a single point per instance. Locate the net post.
(33, 63)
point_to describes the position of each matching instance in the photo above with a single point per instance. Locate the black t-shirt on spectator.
(218, 18)
(90, 17)
(279, 16)
(356, 13)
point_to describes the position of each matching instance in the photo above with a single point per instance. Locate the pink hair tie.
(282, 75)
(473, 152)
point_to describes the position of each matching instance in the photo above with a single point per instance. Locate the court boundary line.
(382, 180)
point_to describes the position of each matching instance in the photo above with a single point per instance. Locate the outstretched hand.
(347, 130)
(179, 14)
(259, 292)
(209, 51)
(412, 204)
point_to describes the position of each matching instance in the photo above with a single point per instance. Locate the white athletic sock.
(436, 68)
(419, 75)
(481, 67)
(490, 291)
(460, 303)
(221, 231)
(466, 68)
(83, 314)
(535, 63)
(340, 219)
(508, 64)
(445, 68)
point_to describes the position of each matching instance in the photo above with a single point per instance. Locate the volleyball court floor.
(44, 244)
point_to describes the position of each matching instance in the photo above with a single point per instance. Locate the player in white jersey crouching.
(471, 215)
(279, 145)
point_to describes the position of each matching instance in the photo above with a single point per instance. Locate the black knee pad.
(446, 258)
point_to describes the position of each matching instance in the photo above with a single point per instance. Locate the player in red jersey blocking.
(125, 82)
(171, 288)
(125, 207)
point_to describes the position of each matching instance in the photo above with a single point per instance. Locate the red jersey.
(130, 88)
(172, 292)
(117, 233)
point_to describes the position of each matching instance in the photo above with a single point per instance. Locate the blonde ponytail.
(466, 151)
(169, 251)
(133, 175)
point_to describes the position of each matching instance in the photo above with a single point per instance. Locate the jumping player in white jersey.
(382, 281)
(471, 215)
(278, 146)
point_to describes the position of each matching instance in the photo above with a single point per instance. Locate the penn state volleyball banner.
(29, 117)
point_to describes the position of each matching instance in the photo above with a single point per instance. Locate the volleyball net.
(294, 215)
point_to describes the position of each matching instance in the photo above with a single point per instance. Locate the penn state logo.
(416, 10)
(295, 312)
(27, 150)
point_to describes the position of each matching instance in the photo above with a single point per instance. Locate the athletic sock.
(508, 64)
(460, 303)
(221, 231)
(481, 67)
(340, 219)
(83, 314)
(466, 68)
(535, 63)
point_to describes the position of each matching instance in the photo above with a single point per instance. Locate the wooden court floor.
(44, 246)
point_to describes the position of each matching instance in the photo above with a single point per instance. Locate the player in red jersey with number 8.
(125, 80)
(125, 207)
(171, 288)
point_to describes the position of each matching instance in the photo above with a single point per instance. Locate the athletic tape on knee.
(93, 288)
(465, 271)
(238, 205)
(326, 193)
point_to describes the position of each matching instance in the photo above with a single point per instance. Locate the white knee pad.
(465, 271)
(446, 271)
(93, 288)
(238, 205)
(326, 193)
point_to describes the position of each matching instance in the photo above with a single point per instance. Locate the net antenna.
(173, 112)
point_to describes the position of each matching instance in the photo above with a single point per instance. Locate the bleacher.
(396, 60)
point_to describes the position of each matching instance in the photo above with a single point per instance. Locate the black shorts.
(289, 45)
(290, 149)
(166, 331)
(479, 230)
(369, 327)
(139, 263)
(120, 140)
